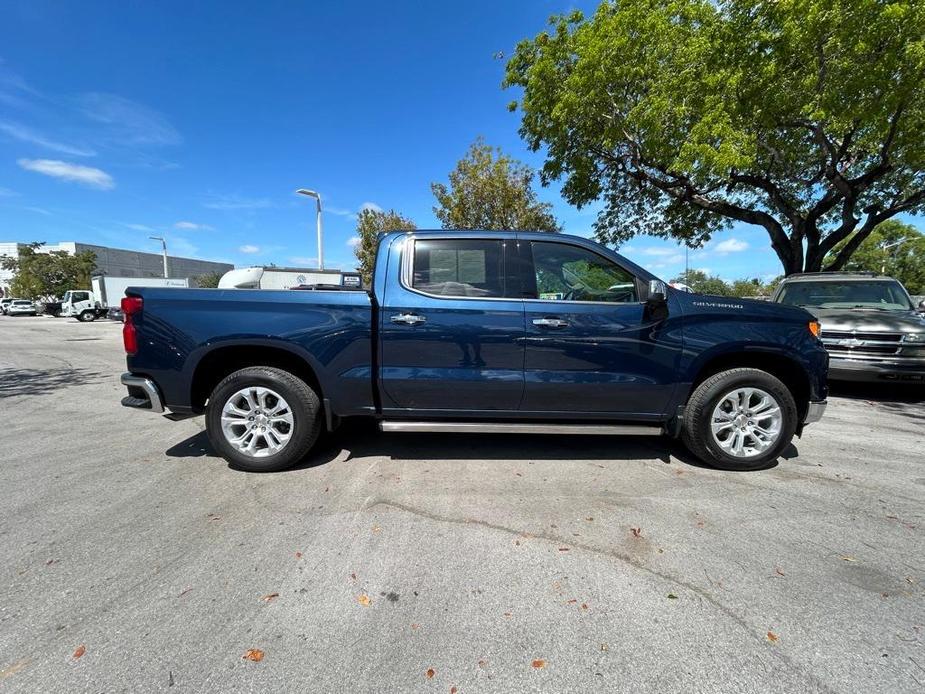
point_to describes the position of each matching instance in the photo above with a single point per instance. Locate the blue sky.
(120, 120)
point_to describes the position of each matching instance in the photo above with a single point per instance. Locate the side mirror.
(656, 308)
(922, 306)
(658, 290)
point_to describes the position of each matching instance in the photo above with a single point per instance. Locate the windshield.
(851, 294)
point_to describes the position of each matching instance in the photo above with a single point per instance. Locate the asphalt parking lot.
(133, 559)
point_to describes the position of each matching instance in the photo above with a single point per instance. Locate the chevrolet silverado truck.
(479, 332)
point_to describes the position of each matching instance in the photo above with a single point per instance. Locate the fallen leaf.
(772, 637)
(848, 559)
(605, 647)
(298, 555)
(430, 673)
(589, 518)
(184, 592)
(508, 615)
(636, 531)
(779, 572)
(269, 597)
(79, 652)
(571, 602)
(364, 600)
(539, 663)
(672, 596)
(415, 626)
(353, 576)
(452, 690)
(482, 663)
(376, 529)
(563, 549)
(584, 606)
(50, 562)
(255, 655)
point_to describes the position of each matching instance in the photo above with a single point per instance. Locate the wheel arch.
(787, 369)
(224, 360)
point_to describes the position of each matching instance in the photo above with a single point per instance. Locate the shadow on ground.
(362, 438)
(14, 382)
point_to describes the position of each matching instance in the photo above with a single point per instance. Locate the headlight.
(915, 337)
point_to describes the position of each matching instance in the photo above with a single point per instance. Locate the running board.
(521, 428)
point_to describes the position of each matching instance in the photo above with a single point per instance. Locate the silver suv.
(870, 326)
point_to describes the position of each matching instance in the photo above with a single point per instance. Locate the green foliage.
(702, 283)
(209, 280)
(490, 190)
(43, 275)
(370, 225)
(895, 249)
(684, 116)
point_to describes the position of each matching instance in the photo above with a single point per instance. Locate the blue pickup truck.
(480, 332)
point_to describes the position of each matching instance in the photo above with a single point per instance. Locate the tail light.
(130, 306)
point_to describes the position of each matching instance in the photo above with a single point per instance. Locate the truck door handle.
(408, 319)
(550, 322)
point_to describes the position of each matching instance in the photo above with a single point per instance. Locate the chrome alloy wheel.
(257, 421)
(746, 422)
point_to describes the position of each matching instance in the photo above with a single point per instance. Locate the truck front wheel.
(86, 316)
(263, 419)
(740, 419)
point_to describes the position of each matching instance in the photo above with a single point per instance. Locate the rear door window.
(458, 267)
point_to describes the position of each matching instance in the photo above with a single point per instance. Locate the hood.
(870, 320)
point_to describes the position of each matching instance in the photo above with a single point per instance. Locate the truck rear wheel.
(740, 419)
(263, 419)
(86, 316)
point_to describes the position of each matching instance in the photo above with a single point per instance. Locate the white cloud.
(24, 134)
(353, 241)
(88, 175)
(249, 249)
(340, 212)
(139, 227)
(235, 202)
(7, 193)
(129, 122)
(304, 261)
(731, 246)
(370, 206)
(192, 226)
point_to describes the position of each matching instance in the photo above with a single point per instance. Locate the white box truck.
(272, 277)
(107, 293)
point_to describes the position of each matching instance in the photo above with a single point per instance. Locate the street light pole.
(886, 247)
(317, 196)
(164, 246)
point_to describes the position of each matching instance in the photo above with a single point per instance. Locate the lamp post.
(317, 196)
(164, 246)
(886, 247)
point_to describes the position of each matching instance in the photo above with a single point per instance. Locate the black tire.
(86, 316)
(698, 412)
(303, 401)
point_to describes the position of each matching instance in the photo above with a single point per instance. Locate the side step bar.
(521, 428)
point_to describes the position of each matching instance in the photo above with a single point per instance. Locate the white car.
(21, 307)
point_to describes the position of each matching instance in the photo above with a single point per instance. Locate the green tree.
(803, 117)
(490, 190)
(370, 225)
(39, 275)
(209, 280)
(895, 249)
(702, 283)
(746, 287)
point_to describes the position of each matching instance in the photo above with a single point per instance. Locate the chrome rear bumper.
(815, 411)
(142, 394)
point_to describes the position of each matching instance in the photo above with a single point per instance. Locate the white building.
(118, 262)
